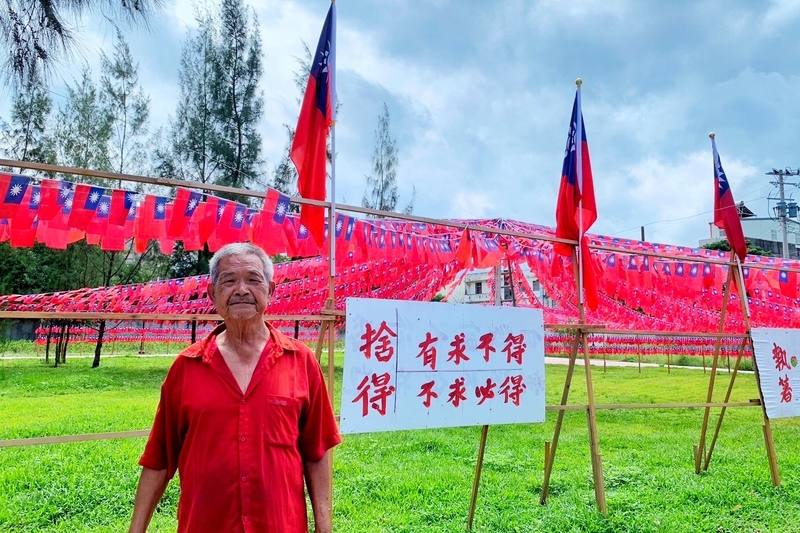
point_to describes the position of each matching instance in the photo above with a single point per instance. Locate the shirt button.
(242, 438)
(244, 478)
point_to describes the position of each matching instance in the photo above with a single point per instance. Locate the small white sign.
(414, 365)
(777, 351)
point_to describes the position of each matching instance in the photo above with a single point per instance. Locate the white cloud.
(468, 204)
(673, 199)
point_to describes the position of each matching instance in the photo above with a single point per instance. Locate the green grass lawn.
(417, 480)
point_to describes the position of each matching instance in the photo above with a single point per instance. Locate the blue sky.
(480, 95)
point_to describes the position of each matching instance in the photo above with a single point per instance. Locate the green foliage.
(37, 32)
(40, 269)
(417, 480)
(128, 108)
(725, 246)
(237, 102)
(27, 137)
(192, 132)
(84, 127)
(381, 192)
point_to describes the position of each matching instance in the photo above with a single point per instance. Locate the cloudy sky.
(480, 95)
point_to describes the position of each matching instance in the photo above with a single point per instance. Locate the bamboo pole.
(701, 447)
(594, 441)
(476, 482)
(550, 449)
(211, 187)
(725, 401)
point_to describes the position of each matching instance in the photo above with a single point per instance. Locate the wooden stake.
(594, 441)
(669, 366)
(476, 482)
(551, 448)
(331, 354)
(323, 329)
(717, 343)
(724, 408)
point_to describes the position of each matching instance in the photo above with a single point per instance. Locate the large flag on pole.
(726, 216)
(576, 210)
(309, 148)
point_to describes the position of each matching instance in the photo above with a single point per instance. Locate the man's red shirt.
(240, 456)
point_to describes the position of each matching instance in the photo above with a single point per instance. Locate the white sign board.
(777, 352)
(413, 365)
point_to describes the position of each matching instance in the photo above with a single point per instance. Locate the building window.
(477, 287)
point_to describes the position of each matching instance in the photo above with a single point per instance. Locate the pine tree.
(381, 192)
(193, 132)
(83, 130)
(127, 107)
(26, 136)
(238, 102)
(36, 32)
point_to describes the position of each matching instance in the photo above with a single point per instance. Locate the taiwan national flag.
(309, 148)
(788, 283)
(151, 218)
(183, 209)
(726, 216)
(268, 229)
(84, 205)
(23, 225)
(54, 194)
(576, 210)
(121, 203)
(12, 191)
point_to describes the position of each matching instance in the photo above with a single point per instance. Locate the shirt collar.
(205, 348)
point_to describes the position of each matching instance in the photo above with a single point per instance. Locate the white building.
(474, 287)
(763, 232)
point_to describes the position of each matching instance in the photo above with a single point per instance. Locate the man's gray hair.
(240, 248)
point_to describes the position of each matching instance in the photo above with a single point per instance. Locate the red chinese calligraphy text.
(457, 390)
(381, 390)
(786, 389)
(779, 356)
(486, 345)
(427, 393)
(485, 392)
(427, 350)
(512, 389)
(457, 353)
(378, 341)
(515, 348)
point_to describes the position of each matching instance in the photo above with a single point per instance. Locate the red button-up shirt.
(240, 456)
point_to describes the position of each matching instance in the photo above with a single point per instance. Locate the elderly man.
(244, 415)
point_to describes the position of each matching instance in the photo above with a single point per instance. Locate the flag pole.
(579, 174)
(332, 211)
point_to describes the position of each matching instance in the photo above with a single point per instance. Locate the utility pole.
(781, 209)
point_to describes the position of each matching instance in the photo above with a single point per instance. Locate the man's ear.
(271, 288)
(210, 291)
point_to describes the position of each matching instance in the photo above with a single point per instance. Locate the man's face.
(241, 291)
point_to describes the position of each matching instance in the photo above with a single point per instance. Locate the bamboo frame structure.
(702, 458)
(591, 412)
(328, 315)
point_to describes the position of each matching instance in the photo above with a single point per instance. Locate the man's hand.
(319, 481)
(152, 484)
